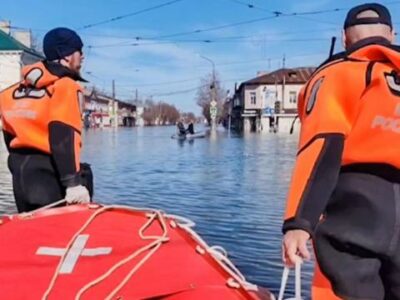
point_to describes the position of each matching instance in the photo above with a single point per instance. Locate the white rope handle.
(297, 283)
(284, 279)
(217, 253)
(285, 276)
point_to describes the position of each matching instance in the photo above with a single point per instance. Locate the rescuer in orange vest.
(345, 188)
(42, 126)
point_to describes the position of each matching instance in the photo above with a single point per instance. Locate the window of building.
(253, 98)
(292, 97)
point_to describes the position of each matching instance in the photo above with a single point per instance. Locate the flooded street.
(233, 187)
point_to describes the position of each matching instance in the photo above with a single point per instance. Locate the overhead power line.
(213, 28)
(262, 40)
(129, 15)
(160, 83)
(172, 93)
(219, 65)
(250, 5)
(314, 12)
(275, 14)
(309, 30)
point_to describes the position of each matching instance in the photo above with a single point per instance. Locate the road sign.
(213, 103)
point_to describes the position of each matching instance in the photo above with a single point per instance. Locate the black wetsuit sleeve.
(8, 137)
(62, 147)
(320, 185)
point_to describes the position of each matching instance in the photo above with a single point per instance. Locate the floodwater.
(233, 187)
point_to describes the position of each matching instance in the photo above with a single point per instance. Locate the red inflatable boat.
(113, 252)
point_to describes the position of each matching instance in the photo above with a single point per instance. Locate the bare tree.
(205, 95)
(35, 44)
(188, 117)
(160, 113)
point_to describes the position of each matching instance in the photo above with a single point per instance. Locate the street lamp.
(213, 103)
(210, 61)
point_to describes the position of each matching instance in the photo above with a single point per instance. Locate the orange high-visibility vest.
(28, 108)
(339, 100)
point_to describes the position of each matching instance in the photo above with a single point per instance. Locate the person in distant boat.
(181, 128)
(345, 188)
(190, 128)
(42, 127)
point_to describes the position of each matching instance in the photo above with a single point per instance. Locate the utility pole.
(114, 105)
(159, 113)
(213, 102)
(229, 100)
(283, 79)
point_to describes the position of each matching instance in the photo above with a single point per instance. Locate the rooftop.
(8, 43)
(290, 76)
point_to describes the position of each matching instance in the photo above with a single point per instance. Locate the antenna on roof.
(283, 61)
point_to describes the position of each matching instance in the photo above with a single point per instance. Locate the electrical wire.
(129, 15)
